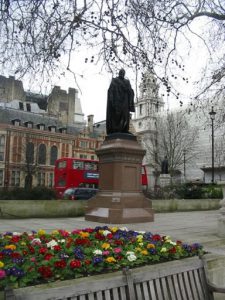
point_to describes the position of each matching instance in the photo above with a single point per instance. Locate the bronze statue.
(120, 103)
(164, 166)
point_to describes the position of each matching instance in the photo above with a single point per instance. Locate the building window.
(41, 179)
(51, 180)
(21, 107)
(139, 124)
(2, 147)
(65, 150)
(16, 122)
(15, 178)
(53, 155)
(41, 126)
(30, 153)
(17, 149)
(42, 154)
(1, 177)
(141, 109)
(28, 106)
(83, 156)
(92, 157)
(83, 144)
(52, 128)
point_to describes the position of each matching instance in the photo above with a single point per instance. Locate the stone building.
(33, 135)
(148, 106)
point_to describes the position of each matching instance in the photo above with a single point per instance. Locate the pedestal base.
(120, 199)
(164, 180)
(119, 208)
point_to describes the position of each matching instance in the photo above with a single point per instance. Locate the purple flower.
(97, 260)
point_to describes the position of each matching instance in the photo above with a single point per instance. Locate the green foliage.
(187, 191)
(37, 193)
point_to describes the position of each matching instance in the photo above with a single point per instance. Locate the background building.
(35, 130)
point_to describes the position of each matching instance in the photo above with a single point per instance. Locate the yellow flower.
(12, 247)
(84, 234)
(41, 232)
(105, 246)
(163, 250)
(54, 232)
(23, 244)
(1, 264)
(114, 229)
(144, 252)
(110, 259)
(138, 249)
(151, 246)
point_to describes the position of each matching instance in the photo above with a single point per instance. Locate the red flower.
(82, 242)
(15, 239)
(173, 250)
(45, 271)
(87, 261)
(99, 236)
(156, 237)
(15, 255)
(48, 256)
(61, 264)
(57, 248)
(26, 252)
(75, 264)
(118, 242)
(109, 235)
(90, 230)
(1, 255)
(31, 249)
(43, 250)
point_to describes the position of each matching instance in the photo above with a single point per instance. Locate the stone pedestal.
(164, 180)
(120, 199)
(221, 219)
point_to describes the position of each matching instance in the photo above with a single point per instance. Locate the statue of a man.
(164, 166)
(120, 103)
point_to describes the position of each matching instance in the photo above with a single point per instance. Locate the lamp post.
(184, 151)
(212, 114)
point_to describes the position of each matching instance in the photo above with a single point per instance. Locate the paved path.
(197, 226)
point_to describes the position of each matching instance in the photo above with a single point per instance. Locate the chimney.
(90, 123)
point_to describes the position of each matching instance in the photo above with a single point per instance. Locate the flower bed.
(39, 257)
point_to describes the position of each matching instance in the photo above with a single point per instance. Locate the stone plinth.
(221, 219)
(120, 199)
(164, 180)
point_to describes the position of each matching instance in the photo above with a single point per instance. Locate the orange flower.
(110, 259)
(105, 245)
(144, 252)
(84, 234)
(12, 247)
(150, 246)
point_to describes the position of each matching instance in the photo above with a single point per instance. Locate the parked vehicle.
(74, 172)
(79, 193)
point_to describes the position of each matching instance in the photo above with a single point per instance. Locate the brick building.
(35, 130)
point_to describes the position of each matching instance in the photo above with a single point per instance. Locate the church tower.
(148, 106)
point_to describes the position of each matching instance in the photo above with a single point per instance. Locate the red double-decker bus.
(75, 172)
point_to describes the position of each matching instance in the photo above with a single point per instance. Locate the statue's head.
(121, 73)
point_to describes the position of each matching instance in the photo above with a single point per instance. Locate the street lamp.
(212, 114)
(184, 152)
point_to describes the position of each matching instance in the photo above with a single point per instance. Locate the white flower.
(131, 257)
(97, 252)
(106, 232)
(17, 233)
(36, 241)
(61, 241)
(163, 250)
(124, 228)
(52, 244)
(130, 253)
(141, 232)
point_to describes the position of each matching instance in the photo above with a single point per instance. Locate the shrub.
(37, 193)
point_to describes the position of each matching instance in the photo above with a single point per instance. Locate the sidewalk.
(196, 226)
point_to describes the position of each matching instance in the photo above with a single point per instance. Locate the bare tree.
(35, 34)
(173, 138)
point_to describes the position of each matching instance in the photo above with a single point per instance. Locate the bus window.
(62, 182)
(78, 165)
(87, 166)
(61, 164)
